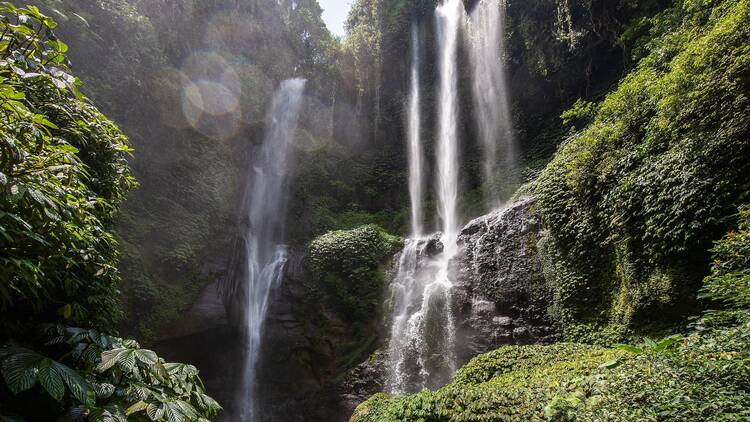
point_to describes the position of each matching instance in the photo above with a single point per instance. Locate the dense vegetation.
(346, 275)
(702, 376)
(347, 264)
(632, 202)
(63, 175)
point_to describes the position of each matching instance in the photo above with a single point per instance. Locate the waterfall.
(265, 206)
(421, 346)
(416, 172)
(486, 42)
(449, 17)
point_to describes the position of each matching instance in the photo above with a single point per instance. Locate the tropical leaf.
(146, 356)
(137, 407)
(108, 359)
(126, 359)
(104, 390)
(50, 379)
(79, 387)
(20, 369)
(628, 348)
(667, 343)
(155, 411)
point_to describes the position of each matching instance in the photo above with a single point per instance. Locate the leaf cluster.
(63, 173)
(105, 378)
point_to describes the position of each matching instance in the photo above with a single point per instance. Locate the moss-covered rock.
(704, 376)
(513, 383)
(347, 265)
(325, 319)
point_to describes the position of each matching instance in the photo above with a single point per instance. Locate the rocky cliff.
(500, 295)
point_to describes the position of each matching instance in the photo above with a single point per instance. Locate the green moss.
(511, 383)
(346, 264)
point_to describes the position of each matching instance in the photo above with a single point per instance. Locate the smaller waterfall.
(486, 42)
(265, 208)
(421, 347)
(406, 363)
(416, 172)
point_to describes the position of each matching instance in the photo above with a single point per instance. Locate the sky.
(334, 14)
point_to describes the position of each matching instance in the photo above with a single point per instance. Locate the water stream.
(416, 170)
(486, 43)
(422, 339)
(265, 209)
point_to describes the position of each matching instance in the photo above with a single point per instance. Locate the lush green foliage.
(104, 378)
(347, 265)
(704, 376)
(63, 175)
(633, 201)
(631, 204)
(512, 383)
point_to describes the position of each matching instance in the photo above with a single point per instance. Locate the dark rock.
(364, 380)
(433, 246)
(500, 296)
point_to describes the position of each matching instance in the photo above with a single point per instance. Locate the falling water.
(265, 204)
(449, 17)
(486, 43)
(415, 139)
(421, 347)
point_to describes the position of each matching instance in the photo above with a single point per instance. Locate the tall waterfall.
(416, 171)
(421, 347)
(265, 206)
(486, 42)
(449, 17)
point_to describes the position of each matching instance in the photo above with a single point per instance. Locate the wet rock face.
(500, 295)
(364, 380)
(297, 361)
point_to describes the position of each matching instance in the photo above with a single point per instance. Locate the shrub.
(63, 175)
(347, 264)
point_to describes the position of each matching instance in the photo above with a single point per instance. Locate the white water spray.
(486, 42)
(265, 205)
(416, 171)
(449, 17)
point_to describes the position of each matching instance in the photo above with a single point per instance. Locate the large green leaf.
(20, 369)
(78, 386)
(126, 358)
(109, 359)
(147, 356)
(137, 407)
(155, 411)
(50, 379)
